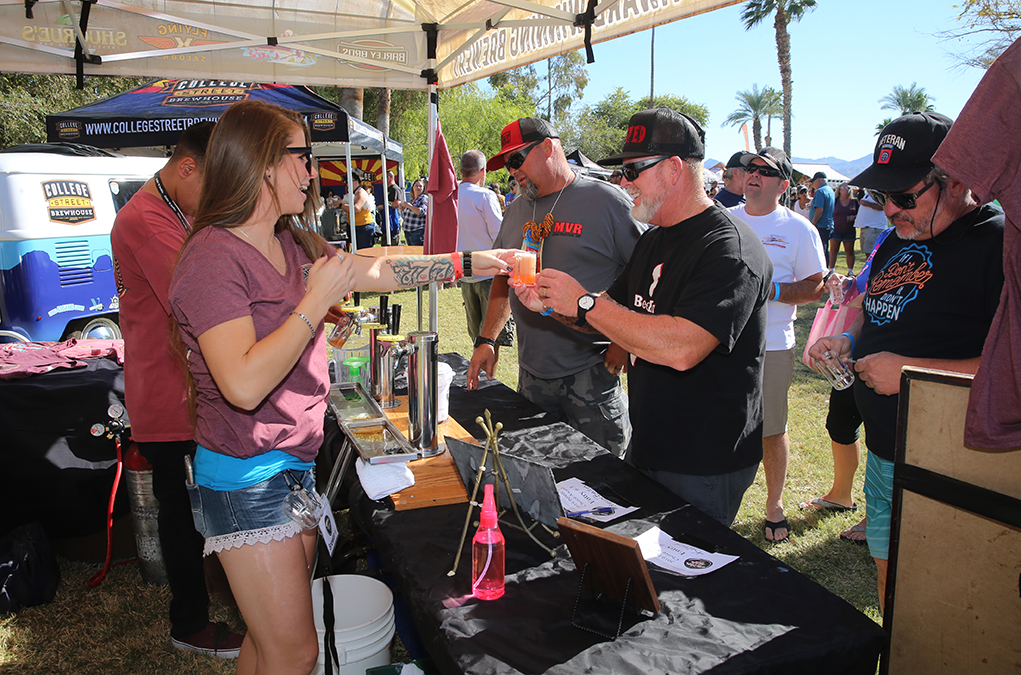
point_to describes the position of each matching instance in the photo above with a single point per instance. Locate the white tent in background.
(400, 44)
(809, 169)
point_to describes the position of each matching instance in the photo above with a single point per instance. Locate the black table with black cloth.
(755, 615)
(52, 470)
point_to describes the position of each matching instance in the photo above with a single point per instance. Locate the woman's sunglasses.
(904, 201)
(631, 171)
(305, 154)
(764, 171)
(518, 158)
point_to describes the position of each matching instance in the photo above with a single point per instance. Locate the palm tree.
(754, 105)
(774, 109)
(882, 125)
(911, 99)
(784, 11)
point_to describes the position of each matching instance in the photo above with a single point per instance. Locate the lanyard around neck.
(171, 203)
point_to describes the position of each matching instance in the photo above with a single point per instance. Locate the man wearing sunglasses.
(798, 267)
(732, 193)
(690, 308)
(929, 300)
(574, 377)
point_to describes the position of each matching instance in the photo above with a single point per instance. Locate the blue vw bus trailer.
(56, 267)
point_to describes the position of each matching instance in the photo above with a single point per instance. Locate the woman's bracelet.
(458, 270)
(851, 338)
(307, 323)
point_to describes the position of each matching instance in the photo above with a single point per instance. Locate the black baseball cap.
(661, 132)
(818, 175)
(735, 160)
(903, 154)
(518, 134)
(774, 157)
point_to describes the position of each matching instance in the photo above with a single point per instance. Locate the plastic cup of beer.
(523, 272)
(837, 373)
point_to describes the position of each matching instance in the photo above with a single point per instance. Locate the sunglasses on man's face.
(905, 201)
(518, 158)
(764, 171)
(631, 171)
(304, 154)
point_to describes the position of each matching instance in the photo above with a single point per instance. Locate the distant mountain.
(849, 169)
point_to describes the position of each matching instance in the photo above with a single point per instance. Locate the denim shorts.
(252, 515)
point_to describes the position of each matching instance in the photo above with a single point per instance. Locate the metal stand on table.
(501, 474)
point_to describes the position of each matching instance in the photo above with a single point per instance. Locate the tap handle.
(384, 300)
(395, 319)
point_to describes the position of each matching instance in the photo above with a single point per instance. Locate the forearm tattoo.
(415, 270)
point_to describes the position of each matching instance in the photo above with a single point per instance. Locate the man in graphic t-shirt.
(582, 225)
(690, 308)
(930, 298)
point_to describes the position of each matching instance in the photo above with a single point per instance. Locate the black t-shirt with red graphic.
(932, 299)
(712, 270)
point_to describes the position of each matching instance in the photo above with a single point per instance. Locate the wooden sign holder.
(612, 565)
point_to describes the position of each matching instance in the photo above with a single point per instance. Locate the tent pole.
(386, 202)
(434, 297)
(350, 198)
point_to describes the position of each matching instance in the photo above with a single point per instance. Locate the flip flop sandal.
(774, 526)
(820, 504)
(846, 534)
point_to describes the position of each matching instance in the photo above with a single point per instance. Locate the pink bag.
(831, 320)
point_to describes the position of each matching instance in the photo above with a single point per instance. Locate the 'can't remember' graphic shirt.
(931, 299)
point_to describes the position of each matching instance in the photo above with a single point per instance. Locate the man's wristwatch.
(585, 303)
(484, 341)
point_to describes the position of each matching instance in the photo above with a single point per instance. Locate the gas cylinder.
(145, 510)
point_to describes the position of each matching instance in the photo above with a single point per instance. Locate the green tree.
(997, 22)
(554, 92)
(598, 130)
(471, 119)
(906, 100)
(882, 125)
(26, 100)
(784, 12)
(753, 106)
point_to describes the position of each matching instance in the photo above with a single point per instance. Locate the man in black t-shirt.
(690, 308)
(931, 295)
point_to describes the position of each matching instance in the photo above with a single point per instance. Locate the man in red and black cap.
(690, 307)
(573, 223)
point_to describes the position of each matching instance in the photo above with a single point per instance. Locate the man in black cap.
(574, 223)
(690, 307)
(931, 294)
(732, 193)
(798, 267)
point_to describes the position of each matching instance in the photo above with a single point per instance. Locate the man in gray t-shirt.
(572, 375)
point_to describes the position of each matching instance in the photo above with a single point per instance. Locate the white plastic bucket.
(363, 623)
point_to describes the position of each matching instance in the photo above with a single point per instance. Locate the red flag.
(442, 238)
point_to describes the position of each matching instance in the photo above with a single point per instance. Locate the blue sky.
(846, 55)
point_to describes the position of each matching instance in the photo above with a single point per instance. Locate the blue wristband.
(549, 310)
(851, 338)
(776, 290)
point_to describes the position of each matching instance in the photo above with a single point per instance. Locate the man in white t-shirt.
(479, 217)
(871, 221)
(794, 248)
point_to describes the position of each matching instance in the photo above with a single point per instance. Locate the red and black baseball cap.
(903, 154)
(518, 134)
(661, 132)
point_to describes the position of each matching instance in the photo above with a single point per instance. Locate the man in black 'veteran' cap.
(932, 291)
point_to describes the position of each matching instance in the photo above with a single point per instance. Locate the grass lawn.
(121, 626)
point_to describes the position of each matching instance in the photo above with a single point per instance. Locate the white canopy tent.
(400, 44)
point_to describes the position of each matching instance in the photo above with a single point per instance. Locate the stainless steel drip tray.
(361, 419)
